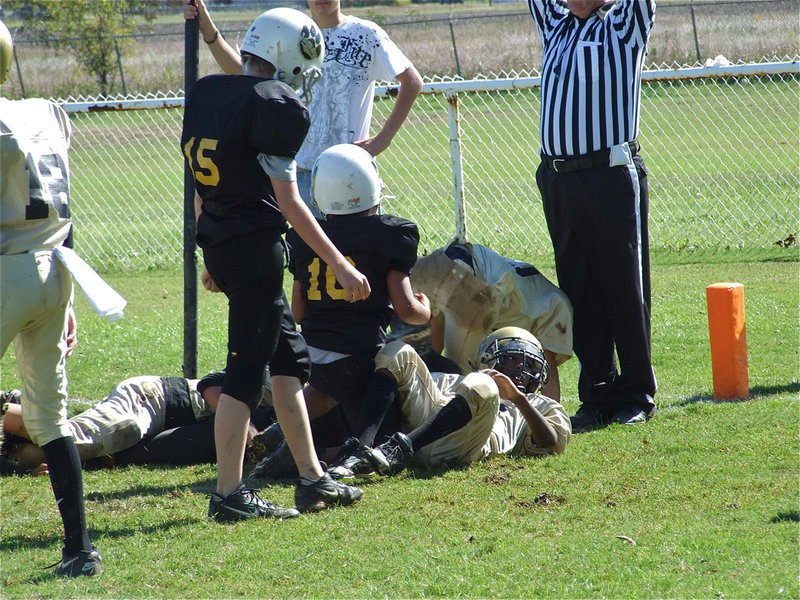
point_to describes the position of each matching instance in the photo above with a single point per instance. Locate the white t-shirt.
(357, 54)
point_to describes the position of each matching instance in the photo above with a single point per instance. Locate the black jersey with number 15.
(228, 121)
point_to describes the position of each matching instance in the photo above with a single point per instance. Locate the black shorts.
(261, 329)
(345, 380)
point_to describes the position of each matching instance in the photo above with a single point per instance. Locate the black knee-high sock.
(329, 430)
(453, 416)
(381, 393)
(66, 478)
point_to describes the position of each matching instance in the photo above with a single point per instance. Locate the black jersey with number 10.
(375, 245)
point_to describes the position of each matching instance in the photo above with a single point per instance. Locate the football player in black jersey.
(240, 136)
(344, 337)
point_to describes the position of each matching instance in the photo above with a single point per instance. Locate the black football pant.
(597, 218)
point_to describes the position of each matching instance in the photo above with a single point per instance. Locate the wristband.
(213, 39)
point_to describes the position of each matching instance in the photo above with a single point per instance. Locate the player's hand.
(190, 10)
(208, 281)
(374, 145)
(423, 299)
(72, 331)
(197, 10)
(356, 285)
(252, 432)
(505, 386)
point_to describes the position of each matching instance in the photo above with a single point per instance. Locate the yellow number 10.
(331, 286)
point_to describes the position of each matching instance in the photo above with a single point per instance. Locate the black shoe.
(357, 459)
(630, 415)
(279, 464)
(588, 418)
(85, 562)
(397, 452)
(243, 503)
(264, 443)
(324, 493)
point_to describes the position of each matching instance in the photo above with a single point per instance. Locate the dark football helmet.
(516, 353)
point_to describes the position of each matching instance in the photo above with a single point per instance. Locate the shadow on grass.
(755, 392)
(12, 543)
(789, 516)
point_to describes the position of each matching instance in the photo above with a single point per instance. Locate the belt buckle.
(558, 161)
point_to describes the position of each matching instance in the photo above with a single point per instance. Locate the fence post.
(694, 29)
(191, 52)
(459, 201)
(455, 48)
(19, 73)
(119, 66)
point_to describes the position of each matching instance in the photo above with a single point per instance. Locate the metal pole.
(119, 65)
(455, 158)
(191, 52)
(455, 49)
(19, 72)
(694, 28)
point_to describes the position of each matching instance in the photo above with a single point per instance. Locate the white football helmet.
(293, 43)
(344, 180)
(6, 51)
(517, 353)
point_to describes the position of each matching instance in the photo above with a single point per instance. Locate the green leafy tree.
(93, 29)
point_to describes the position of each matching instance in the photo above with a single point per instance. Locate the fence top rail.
(513, 83)
(473, 85)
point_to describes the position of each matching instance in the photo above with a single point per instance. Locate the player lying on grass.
(451, 419)
(343, 337)
(473, 290)
(143, 420)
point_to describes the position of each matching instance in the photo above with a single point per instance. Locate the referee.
(594, 190)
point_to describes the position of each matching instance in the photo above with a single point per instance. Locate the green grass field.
(702, 502)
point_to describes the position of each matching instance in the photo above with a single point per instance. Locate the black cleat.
(357, 459)
(397, 452)
(324, 493)
(244, 503)
(279, 464)
(85, 562)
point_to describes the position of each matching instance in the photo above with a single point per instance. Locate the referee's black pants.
(597, 218)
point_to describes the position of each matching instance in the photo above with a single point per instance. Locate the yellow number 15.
(207, 172)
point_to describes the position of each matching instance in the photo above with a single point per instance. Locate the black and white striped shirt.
(591, 74)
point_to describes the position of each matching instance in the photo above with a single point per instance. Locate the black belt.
(568, 164)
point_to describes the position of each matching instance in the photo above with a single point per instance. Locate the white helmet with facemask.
(293, 43)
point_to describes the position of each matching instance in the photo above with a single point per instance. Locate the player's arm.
(410, 87)
(437, 332)
(542, 432)
(298, 304)
(227, 58)
(414, 309)
(355, 284)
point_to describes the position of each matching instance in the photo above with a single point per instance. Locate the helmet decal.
(310, 42)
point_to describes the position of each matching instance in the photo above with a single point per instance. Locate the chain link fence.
(721, 145)
(467, 42)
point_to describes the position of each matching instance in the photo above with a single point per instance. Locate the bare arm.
(437, 333)
(355, 284)
(414, 309)
(542, 432)
(410, 87)
(205, 277)
(298, 304)
(227, 57)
